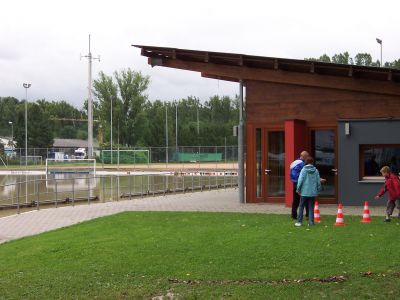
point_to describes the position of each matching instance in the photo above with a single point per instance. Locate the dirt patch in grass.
(329, 279)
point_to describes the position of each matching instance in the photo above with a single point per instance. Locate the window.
(374, 157)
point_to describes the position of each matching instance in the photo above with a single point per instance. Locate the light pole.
(90, 101)
(176, 126)
(111, 125)
(12, 132)
(166, 133)
(26, 86)
(379, 41)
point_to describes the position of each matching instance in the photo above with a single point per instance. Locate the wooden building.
(334, 111)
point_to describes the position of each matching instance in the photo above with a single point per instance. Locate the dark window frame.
(362, 149)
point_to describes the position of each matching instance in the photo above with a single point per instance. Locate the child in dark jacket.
(392, 186)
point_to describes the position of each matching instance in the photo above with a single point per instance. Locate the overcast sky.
(41, 41)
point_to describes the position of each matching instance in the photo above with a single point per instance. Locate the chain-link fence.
(195, 155)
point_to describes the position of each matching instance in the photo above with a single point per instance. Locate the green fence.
(197, 157)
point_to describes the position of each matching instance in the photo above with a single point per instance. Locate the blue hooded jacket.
(295, 169)
(309, 183)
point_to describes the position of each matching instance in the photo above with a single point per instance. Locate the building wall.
(274, 103)
(352, 190)
(269, 105)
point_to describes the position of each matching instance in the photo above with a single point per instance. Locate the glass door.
(323, 146)
(275, 166)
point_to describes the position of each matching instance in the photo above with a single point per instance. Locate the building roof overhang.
(236, 67)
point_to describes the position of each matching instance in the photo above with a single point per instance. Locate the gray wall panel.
(351, 191)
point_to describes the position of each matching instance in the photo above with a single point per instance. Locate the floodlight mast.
(90, 101)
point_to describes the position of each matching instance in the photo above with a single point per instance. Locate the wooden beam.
(219, 77)
(276, 66)
(206, 57)
(287, 77)
(241, 60)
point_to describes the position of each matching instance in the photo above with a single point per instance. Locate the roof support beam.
(390, 76)
(350, 71)
(234, 73)
(276, 64)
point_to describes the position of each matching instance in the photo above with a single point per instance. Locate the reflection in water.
(84, 187)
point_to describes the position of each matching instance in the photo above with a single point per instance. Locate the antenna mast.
(90, 101)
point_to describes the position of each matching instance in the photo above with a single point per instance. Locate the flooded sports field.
(25, 191)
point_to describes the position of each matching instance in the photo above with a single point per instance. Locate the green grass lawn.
(204, 256)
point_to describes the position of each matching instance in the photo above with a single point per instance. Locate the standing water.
(19, 193)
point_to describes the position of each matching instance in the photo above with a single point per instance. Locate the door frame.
(326, 200)
(265, 129)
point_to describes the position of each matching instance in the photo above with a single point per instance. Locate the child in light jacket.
(308, 187)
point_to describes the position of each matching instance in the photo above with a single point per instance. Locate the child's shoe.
(298, 224)
(387, 220)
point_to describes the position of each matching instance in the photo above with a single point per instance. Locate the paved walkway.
(35, 222)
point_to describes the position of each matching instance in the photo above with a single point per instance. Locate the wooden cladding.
(273, 103)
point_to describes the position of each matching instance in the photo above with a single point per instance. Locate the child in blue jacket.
(308, 187)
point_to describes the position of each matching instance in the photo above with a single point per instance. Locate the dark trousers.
(296, 203)
(390, 206)
(307, 202)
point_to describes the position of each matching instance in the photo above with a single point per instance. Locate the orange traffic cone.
(317, 217)
(366, 217)
(339, 217)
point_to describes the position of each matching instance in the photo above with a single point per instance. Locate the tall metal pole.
(240, 146)
(225, 149)
(118, 146)
(111, 133)
(90, 105)
(176, 126)
(166, 132)
(12, 132)
(90, 102)
(379, 41)
(198, 123)
(26, 86)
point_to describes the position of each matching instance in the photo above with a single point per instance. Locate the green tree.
(342, 58)
(130, 106)
(106, 91)
(40, 134)
(395, 64)
(64, 118)
(8, 108)
(132, 86)
(365, 59)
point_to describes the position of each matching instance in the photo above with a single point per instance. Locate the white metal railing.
(40, 192)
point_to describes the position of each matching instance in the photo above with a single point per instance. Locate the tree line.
(360, 59)
(137, 121)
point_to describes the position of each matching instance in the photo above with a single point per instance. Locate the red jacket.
(392, 185)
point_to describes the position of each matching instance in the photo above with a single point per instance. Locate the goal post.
(125, 156)
(71, 166)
